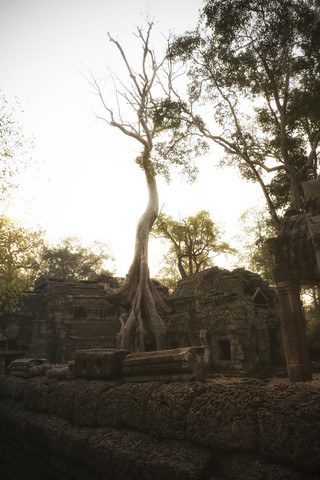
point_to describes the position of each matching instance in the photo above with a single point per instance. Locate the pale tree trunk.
(138, 290)
(138, 293)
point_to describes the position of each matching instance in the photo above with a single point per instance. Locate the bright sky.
(86, 182)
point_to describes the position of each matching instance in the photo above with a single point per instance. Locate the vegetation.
(18, 250)
(254, 67)
(256, 227)
(70, 260)
(13, 146)
(142, 115)
(24, 256)
(194, 243)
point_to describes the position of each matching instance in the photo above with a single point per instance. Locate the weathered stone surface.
(289, 424)
(36, 395)
(130, 455)
(62, 371)
(189, 362)
(168, 408)
(125, 406)
(12, 387)
(28, 367)
(224, 416)
(237, 310)
(62, 398)
(86, 402)
(243, 466)
(214, 430)
(99, 363)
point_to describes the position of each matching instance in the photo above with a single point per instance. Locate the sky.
(82, 179)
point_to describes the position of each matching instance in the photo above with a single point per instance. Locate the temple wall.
(61, 317)
(83, 429)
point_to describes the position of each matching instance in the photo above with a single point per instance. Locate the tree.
(18, 251)
(194, 242)
(255, 67)
(145, 120)
(256, 227)
(12, 148)
(70, 260)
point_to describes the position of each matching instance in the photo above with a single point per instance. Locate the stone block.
(24, 367)
(99, 363)
(289, 424)
(190, 363)
(224, 416)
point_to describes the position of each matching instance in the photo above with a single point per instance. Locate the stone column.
(293, 331)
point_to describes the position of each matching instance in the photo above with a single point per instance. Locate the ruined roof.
(65, 287)
(220, 282)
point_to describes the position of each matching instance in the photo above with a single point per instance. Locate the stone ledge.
(99, 363)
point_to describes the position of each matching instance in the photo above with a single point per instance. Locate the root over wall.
(78, 429)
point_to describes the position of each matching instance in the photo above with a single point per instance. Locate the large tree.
(141, 114)
(254, 68)
(194, 241)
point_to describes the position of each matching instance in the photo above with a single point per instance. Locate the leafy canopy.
(254, 67)
(18, 252)
(194, 242)
(256, 227)
(70, 260)
(13, 146)
(24, 256)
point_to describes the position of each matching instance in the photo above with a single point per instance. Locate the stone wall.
(79, 429)
(61, 317)
(236, 313)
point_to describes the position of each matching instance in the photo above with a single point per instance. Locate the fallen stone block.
(99, 363)
(26, 367)
(190, 363)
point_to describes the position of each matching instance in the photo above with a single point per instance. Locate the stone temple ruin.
(233, 314)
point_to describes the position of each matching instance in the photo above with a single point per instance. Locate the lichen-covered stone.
(225, 416)
(289, 424)
(215, 430)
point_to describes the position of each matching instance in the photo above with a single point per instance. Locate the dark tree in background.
(71, 260)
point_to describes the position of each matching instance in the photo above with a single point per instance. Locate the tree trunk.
(295, 195)
(180, 267)
(138, 291)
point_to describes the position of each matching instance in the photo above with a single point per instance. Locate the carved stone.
(99, 363)
(191, 363)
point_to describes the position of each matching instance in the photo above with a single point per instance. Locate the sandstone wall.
(79, 429)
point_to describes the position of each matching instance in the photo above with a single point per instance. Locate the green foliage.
(179, 143)
(255, 66)
(18, 252)
(24, 256)
(70, 260)
(12, 148)
(166, 114)
(257, 227)
(194, 242)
